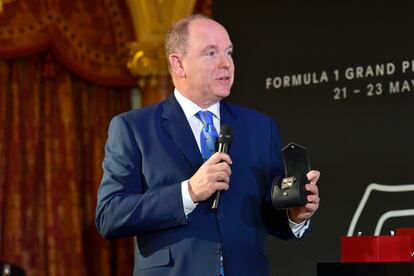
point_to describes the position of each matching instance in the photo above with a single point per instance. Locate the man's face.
(208, 64)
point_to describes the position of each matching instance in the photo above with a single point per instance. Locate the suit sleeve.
(276, 220)
(125, 204)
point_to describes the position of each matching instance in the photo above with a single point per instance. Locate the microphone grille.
(226, 135)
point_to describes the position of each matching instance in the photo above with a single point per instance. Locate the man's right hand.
(212, 176)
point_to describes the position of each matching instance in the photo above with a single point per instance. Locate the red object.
(407, 232)
(376, 249)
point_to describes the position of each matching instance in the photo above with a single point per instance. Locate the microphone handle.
(214, 206)
(222, 147)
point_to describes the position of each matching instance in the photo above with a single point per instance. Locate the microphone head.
(226, 135)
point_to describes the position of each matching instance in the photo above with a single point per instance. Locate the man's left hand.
(300, 214)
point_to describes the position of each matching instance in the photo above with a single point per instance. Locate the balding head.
(200, 59)
(176, 39)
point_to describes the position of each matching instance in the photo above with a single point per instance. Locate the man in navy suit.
(157, 187)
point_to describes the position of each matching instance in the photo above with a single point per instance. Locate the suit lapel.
(177, 127)
(229, 117)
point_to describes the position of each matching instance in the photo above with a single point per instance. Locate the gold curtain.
(53, 127)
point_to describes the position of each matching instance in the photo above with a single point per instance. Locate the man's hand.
(300, 214)
(212, 176)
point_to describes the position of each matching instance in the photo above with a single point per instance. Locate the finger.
(221, 177)
(219, 185)
(222, 167)
(313, 199)
(313, 176)
(313, 189)
(218, 157)
(312, 207)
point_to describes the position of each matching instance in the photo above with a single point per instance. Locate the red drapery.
(89, 37)
(53, 127)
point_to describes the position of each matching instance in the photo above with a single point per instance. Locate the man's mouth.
(224, 78)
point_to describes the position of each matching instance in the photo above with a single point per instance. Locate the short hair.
(176, 38)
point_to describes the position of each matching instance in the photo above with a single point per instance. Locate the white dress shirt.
(190, 110)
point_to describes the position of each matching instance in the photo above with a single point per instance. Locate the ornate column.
(147, 62)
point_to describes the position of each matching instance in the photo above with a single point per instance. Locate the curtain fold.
(53, 127)
(89, 37)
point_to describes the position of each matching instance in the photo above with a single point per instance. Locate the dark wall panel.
(339, 79)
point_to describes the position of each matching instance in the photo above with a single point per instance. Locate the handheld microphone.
(224, 141)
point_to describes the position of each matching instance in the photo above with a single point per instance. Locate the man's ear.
(176, 65)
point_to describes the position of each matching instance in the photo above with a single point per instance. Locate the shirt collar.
(190, 108)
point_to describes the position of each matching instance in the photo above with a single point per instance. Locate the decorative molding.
(151, 19)
(2, 2)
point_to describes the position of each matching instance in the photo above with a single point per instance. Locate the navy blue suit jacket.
(149, 152)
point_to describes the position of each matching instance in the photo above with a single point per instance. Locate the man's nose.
(225, 61)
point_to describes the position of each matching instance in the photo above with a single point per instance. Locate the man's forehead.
(205, 25)
(207, 29)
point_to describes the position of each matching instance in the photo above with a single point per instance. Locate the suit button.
(220, 216)
(216, 251)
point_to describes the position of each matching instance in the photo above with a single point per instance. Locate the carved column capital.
(151, 19)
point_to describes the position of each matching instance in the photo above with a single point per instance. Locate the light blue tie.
(208, 135)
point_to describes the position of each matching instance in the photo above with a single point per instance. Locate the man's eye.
(230, 53)
(210, 53)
